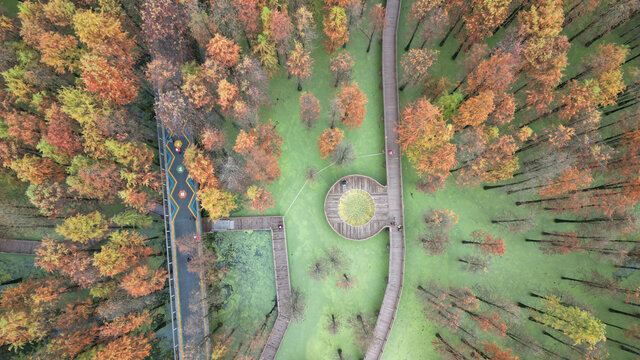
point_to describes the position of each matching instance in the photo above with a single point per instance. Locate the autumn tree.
(300, 64)
(124, 250)
(143, 281)
(329, 140)
(218, 202)
(213, 139)
(475, 110)
(23, 309)
(50, 199)
(341, 67)
(309, 109)
(223, 51)
(578, 324)
(36, 170)
(495, 352)
(248, 16)
(480, 22)
(488, 243)
(261, 148)
(415, 65)
(419, 11)
(127, 347)
(201, 168)
(440, 219)
(259, 198)
(112, 81)
(335, 28)
(84, 228)
(425, 139)
(376, 23)
(352, 104)
(265, 50)
(304, 27)
(281, 30)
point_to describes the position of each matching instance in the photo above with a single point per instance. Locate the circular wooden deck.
(380, 217)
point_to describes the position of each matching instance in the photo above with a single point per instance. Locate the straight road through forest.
(185, 222)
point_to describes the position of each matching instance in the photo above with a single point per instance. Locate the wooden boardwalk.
(275, 224)
(24, 247)
(392, 294)
(380, 218)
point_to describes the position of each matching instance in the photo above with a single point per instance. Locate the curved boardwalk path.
(378, 193)
(281, 267)
(391, 298)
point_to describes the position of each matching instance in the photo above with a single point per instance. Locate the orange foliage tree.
(425, 139)
(213, 139)
(200, 167)
(488, 243)
(495, 352)
(475, 110)
(261, 148)
(352, 104)
(335, 28)
(127, 347)
(299, 64)
(329, 140)
(223, 51)
(143, 281)
(260, 199)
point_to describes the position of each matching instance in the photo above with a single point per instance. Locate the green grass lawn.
(522, 269)
(356, 207)
(308, 233)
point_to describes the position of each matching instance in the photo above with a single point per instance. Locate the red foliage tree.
(495, 352)
(488, 243)
(309, 109)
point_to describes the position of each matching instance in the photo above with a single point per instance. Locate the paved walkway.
(394, 184)
(192, 322)
(275, 224)
(378, 193)
(25, 247)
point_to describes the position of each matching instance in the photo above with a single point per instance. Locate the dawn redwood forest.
(136, 134)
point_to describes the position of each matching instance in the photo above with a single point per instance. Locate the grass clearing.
(523, 268)
(356, 207)
(309, 235)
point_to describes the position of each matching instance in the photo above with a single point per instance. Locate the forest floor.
(309, 235)
(522, 269)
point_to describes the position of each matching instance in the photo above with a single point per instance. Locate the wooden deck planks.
(281, 269)
(393, 292)
(380, 218)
